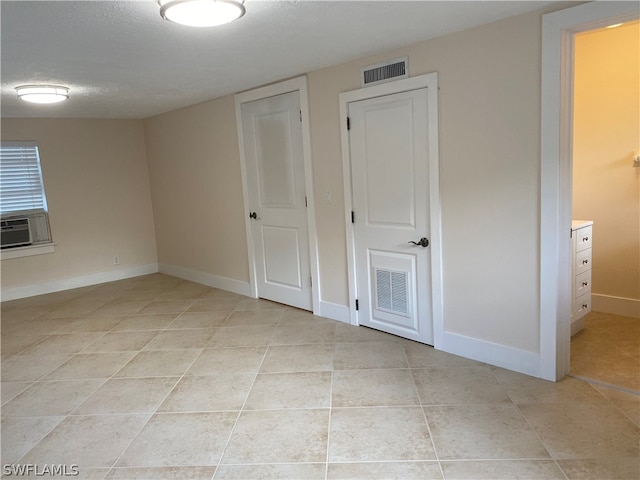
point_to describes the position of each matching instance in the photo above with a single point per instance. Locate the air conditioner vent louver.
(15, 232)
(385, 72)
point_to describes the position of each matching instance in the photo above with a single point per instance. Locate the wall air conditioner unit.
(15, 232)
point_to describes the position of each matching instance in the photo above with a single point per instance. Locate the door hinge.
(348, 123)
(306, 204)
(353, 216)
(357, 305)
(571, 233)
(300, 116)
(311, 282)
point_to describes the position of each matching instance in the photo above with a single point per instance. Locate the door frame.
(430, 82)
(298, 84)
(558, 30)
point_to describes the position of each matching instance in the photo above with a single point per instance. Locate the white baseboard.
(515, 359)
(77, 282)
(628, 307)
(577, 326)
(339, 313)
(209, 279)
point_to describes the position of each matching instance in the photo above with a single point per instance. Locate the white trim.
(77, 282)
(209, 279)
(558, 29)
(253, 286)
(339, 313)
(577, 326)
(348, 208)
(515, 359)
(298, 84)
(430, 82)
(28, 251)
(628, 307)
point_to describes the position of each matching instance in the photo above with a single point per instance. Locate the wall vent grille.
(391, 292)
(385, 72)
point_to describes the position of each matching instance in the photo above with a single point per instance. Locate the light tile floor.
(160, 378)
(608, 350)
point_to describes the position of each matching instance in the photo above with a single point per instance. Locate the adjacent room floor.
(160, 378)
(607, 350)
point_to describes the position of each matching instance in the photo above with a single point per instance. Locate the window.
(23, 205)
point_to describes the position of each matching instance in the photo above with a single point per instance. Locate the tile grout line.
(327, 458)
(551, 457)
(424, 414)
(242, 407)
(151, 414)
(70, 414)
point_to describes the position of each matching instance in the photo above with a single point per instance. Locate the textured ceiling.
(121, 60)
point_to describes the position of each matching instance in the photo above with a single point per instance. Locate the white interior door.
(272, 138)
(390, 185)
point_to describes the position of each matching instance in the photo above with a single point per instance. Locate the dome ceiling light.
(201, 13)
(42, 93)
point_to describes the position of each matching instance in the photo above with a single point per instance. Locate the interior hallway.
(155, 377)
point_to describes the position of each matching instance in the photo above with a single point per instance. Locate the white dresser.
(581, 240)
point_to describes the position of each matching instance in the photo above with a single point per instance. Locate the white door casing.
(390, 160)
(276, 197)
(558, 29)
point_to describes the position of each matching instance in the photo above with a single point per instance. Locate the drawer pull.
(584, 262)
(585, 239)
(584, 305)
(584, 284)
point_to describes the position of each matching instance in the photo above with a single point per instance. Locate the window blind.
(21, 187)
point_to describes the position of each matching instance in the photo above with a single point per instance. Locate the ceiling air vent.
(385, 72)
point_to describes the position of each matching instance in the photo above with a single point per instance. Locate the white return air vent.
(391, 292)
(385, 72)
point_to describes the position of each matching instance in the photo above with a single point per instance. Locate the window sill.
(29, 251)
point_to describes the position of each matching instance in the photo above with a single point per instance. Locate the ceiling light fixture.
(615, 25)
(42, 93)
(201, 13)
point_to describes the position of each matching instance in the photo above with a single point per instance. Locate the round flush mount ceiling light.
(201, 13)
(42, 93)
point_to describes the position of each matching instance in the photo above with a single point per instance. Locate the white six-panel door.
(277, 199)
(389, 154)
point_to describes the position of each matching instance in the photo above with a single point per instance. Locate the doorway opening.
(558, 33)
(605, 341)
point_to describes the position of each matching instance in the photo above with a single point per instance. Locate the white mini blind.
(21, 187)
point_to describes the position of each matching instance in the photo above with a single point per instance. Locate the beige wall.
(97, 186)
(196, 189)
(489, 102)
(606, 188)
(490, 167)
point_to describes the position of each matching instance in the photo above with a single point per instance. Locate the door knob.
(424, 242)
(253, 215)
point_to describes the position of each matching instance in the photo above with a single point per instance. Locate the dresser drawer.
(583, 238)
(582, 284)
(582, 306)
(583, 261)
